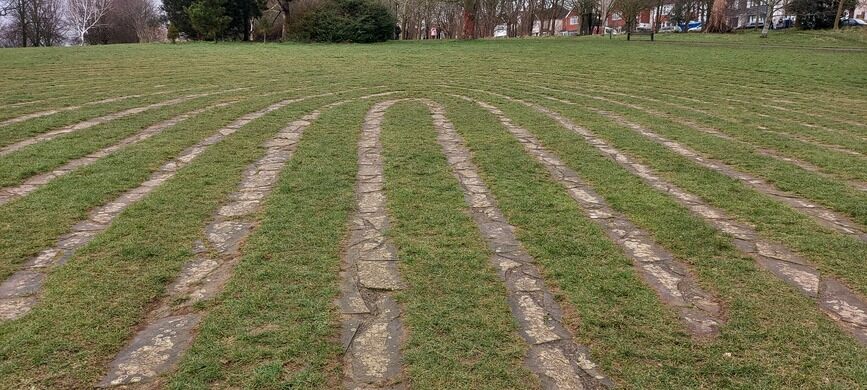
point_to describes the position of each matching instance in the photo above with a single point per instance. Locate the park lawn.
(276, 326)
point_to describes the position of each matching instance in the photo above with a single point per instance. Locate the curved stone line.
(859, 185)
(834, 298)
(34, 183)
(690, 108)
(810, 98)
(808, 140)
(169, 328)
(8, 149)
(41, 114)
(672, 280)
(554, 356)
(821, 215)
(371, 318)
(19, 293)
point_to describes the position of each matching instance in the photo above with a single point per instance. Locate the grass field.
(530, 213)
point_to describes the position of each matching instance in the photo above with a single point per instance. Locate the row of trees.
(51, 22)
(55, 22)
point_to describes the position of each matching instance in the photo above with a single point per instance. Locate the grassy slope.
(776, 338)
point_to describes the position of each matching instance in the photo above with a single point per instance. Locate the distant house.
(564, 21)
(744, 13)
(649, 19)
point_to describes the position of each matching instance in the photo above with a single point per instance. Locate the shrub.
(361, 21)
(173, 33)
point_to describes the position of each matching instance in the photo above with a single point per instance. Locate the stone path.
(672, 280)
(833, 297)
(9, 194)
(554, 356)
(821, 215)
(40, 114)
(8, 149)
(169, 329)
(860, 185)
(372, 328)
(19, 293)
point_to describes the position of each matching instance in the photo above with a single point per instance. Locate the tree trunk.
(469, 23)
(284, 35)
(717, 23)
(768, 15)
(839, 15)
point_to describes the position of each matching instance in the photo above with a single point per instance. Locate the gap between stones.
(6, 150)
(554, 356)
(170, 328)
(32, 184)
(19, 293)
(372, 330)
(834, 298)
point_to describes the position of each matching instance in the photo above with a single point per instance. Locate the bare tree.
(717, 21)
(773, 6)
(83, 15)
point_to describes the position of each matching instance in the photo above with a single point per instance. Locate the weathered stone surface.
(156, 349)
(556, 369)
(374, 353)
(101, 217)
(153, 351)
(672, 281)
(372, 330)
(532, 306)
(378, 275)
(779, 260)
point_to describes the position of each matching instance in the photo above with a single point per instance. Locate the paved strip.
(6, 150)
(821, 215)
(34, 183)
(834, 298)
(19, 293)
(859, 185)
(169, 330)
(554, 356)
(372, 327)
(672, 280)
(40, 114)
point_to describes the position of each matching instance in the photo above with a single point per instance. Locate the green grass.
(461, 333)
(276, 325)
(642, 339)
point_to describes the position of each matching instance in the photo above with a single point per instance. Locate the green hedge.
(361, 21)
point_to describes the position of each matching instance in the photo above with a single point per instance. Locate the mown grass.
(44, 156)
(461, 334)
(276, 327)
(636, 340)
(91, 306)
(33, 223)
(835, 253)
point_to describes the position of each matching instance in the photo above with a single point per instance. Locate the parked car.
(669, 29)
(852, 22)
(752, 25)
(691, 26)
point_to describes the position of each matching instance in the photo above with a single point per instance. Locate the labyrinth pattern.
(577, 145)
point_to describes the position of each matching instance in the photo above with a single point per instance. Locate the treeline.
(304, 20)
(57, 22)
